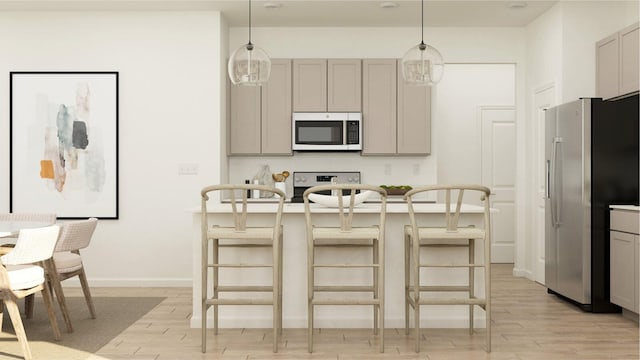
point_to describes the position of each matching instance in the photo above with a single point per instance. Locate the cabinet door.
(379, 106)
(607, 65)
(309, 85)
(636, 272)
(623, 276)
(414, 117)
(344, 81)
(244, 120)
(276, 109)
(629, 59)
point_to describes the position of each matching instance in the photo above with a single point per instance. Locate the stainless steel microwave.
(327, 131)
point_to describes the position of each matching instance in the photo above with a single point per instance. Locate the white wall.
(561, 54)
(584, 23)
(170, 108)
(460, 97)
(457, 45)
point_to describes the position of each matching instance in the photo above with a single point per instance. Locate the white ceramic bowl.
(332, 201)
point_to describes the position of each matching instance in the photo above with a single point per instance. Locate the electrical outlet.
(188, 169)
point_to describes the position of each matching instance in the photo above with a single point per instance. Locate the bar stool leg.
(276, 292)
(280, 272)
(472, 271)
(381, 293)
(204, 289)
(215, 284)
(416, 285)
(376, 308)
(406, 283)
(310, 294)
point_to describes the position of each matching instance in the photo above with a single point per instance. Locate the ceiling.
(318, 13)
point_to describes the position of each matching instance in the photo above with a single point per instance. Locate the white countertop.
(625, 207)
(298, 208)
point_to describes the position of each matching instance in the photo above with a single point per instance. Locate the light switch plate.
(188, 169)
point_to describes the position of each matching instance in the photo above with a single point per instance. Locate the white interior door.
(499, 174)
(543, 98)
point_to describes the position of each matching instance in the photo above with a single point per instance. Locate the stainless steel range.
(306, 179)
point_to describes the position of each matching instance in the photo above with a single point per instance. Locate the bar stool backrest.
(237, 194)
(451, 216)
(345, 213)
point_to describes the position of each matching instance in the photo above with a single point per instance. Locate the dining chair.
(449, 235)
(338, 232)
(45, 218)
(20, 277)
(7, 242)
(240, 239)
(67, 263)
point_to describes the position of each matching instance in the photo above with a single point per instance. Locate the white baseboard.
(523, 273)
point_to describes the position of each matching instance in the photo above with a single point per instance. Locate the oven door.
(318, 135)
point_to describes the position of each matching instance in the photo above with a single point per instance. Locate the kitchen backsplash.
(375, 170)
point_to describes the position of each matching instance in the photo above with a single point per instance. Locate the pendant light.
(422, 65)
(249, 64)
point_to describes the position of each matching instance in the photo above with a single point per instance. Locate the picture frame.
(64, 143)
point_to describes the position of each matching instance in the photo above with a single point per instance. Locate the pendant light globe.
(422, 65)
(249, 64)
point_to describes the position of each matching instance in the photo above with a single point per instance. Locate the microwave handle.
(345, 127)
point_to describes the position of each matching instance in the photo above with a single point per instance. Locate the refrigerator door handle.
(555, 196)
(548, 180)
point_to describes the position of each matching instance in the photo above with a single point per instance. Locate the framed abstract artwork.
(64, 143)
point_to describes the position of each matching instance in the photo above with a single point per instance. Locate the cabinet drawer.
(627, 221)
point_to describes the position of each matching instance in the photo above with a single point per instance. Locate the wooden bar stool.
(240, 236)
(450, 235)
(345, 235)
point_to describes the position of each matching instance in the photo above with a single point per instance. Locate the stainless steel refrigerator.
(591, 152)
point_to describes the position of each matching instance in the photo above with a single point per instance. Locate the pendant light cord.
(422, 16)
(422, 45)
(249, 23)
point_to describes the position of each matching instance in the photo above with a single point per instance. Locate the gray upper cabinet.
(309, 85)
(629, 64)
(244, 120)
(607, 67)
(396, 116)
(379, 106)
(414, 117)
(327, 85)
(344, 83)
(260, 117)
(617, 65)
(276, 109)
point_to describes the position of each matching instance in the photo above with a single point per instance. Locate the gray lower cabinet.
(396, 116)
(617, 63)
(260, 117)
(624, 263)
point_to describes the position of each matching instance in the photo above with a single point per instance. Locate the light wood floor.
(527, 324)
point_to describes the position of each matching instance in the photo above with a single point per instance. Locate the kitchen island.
(295, 269)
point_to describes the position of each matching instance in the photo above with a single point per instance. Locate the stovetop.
(302, 180)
